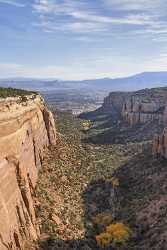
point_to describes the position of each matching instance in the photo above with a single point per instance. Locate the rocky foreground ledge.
(26, 128)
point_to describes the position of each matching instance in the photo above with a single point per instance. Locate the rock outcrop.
(26, 129)
(138, 107)
(113, 103)
(145, 106)
(160, 144)
(160, 141)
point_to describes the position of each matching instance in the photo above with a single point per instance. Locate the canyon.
(27, 128)
(52, 177)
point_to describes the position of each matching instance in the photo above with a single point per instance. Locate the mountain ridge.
(133, 82)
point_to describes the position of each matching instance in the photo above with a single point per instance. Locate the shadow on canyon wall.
(112, 129)
(121, 133)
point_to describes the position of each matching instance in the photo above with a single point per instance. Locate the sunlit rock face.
(145, 106)
(142, 107)
(138, 107)
(160, 141)
(160, 144)
(27, 128)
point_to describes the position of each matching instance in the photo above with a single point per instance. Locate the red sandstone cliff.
(160, 144)
(138, 107)
(160, 141)
(113, 103)
(145, 106)
(26, 129)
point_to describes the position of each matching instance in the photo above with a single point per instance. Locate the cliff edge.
(26, 129)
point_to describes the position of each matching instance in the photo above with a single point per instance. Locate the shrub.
(115, 182)
(116, 234)
(119, 232)
(103, 219)
(12, 92)
(104, 239)
(23, 98)
(87, 124)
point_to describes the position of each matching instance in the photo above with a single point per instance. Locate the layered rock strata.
(160, 144)
(145, 106)
(141, 107)
(113, 103)
(26, 129)
(138, 107)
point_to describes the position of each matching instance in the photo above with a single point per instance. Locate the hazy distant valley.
(86, 95)
(131, 83)
(75, 101)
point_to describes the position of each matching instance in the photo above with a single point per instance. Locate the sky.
(82, 39)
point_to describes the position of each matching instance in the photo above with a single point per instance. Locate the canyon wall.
(113, 103)
(160, 141)
(145, 106)
(26, 129)
(141, 107)
(138, 107)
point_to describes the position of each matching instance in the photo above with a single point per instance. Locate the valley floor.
(83, 180)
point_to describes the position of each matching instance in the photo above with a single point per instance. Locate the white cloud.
(71, 9)
(160, 39)
(12, 2)
(145, 16)
(129, 19)
(84, 38)
(42, 6)
(75, 27)
(136, 5)
(79, 17)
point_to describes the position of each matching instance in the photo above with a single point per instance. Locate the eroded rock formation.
(160, 144)
(145, 106)
(141, 107)
(113, 103)
(160, 141)
(26, 129)
(138, 107)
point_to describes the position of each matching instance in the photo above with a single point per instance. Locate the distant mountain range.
(131, 83)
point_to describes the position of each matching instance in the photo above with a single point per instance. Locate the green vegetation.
(68, 125)
(74, 186)
(103, 219)
(87, 125)
(11, 92)
(89, 191)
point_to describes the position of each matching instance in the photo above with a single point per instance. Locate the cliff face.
(160, 144)
(144, 106)
(26, 129)
(139, 107)
(113, 103)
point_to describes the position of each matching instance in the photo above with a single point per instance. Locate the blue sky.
(81, 39)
